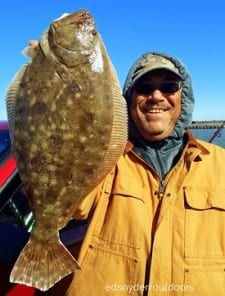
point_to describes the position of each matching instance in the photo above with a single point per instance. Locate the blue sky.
(191, 30)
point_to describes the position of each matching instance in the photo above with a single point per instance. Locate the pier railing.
(208, 124)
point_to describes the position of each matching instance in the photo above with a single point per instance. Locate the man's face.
(156, 112)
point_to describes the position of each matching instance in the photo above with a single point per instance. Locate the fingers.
(33, 43)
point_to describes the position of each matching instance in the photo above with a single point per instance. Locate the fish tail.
(41, 265)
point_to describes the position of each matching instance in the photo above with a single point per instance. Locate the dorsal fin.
(11, 97)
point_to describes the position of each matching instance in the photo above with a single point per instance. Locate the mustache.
(152, 105)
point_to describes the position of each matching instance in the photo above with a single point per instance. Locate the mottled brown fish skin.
(69, 130)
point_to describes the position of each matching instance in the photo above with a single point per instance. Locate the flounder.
(68, 127)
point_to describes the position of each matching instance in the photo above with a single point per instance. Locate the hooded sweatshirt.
(161, 155)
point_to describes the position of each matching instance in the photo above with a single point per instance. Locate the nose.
(156, 96)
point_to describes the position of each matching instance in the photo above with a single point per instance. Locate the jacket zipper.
(162, 184)
(162, 188)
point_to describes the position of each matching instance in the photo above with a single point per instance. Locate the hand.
(30, 50)
(33, 43)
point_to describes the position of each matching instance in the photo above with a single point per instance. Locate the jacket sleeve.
(88, 203)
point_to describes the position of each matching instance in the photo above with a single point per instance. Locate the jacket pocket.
(114, 274)
(122, 215)
(204, 280)
(204, 223)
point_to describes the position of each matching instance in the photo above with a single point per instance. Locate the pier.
(214, 124)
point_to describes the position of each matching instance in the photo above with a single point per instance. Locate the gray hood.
(164, 154)
(187, 105)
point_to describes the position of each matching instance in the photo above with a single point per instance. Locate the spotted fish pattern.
(68, 127)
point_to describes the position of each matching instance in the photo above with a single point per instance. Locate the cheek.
(178, 108)
(176, 103)
(136, 101)
(135, 109)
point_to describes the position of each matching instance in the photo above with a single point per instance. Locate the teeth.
(155, 111)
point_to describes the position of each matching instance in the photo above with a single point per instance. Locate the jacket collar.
(192, 142)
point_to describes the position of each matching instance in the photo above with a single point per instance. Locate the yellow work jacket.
(143, 240)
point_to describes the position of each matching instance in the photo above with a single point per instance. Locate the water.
(206, 134)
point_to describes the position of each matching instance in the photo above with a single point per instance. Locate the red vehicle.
(7, 162)
(16, 220)
(14, 207)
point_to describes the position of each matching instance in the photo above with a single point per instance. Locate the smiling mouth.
(155, 111)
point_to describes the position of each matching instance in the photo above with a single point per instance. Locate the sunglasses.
(146, 88)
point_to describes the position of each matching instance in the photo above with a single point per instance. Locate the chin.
(155, 134)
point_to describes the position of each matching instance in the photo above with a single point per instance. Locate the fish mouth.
(83, 16)
(78, 17)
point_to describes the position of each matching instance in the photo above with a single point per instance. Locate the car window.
(4, 142)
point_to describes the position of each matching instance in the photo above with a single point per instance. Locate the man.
(156, 223)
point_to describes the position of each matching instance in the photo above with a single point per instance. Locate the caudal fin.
(41, 265)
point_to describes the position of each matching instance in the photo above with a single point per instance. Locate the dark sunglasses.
(146, 87)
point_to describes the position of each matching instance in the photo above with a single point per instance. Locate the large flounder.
(68, 127)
